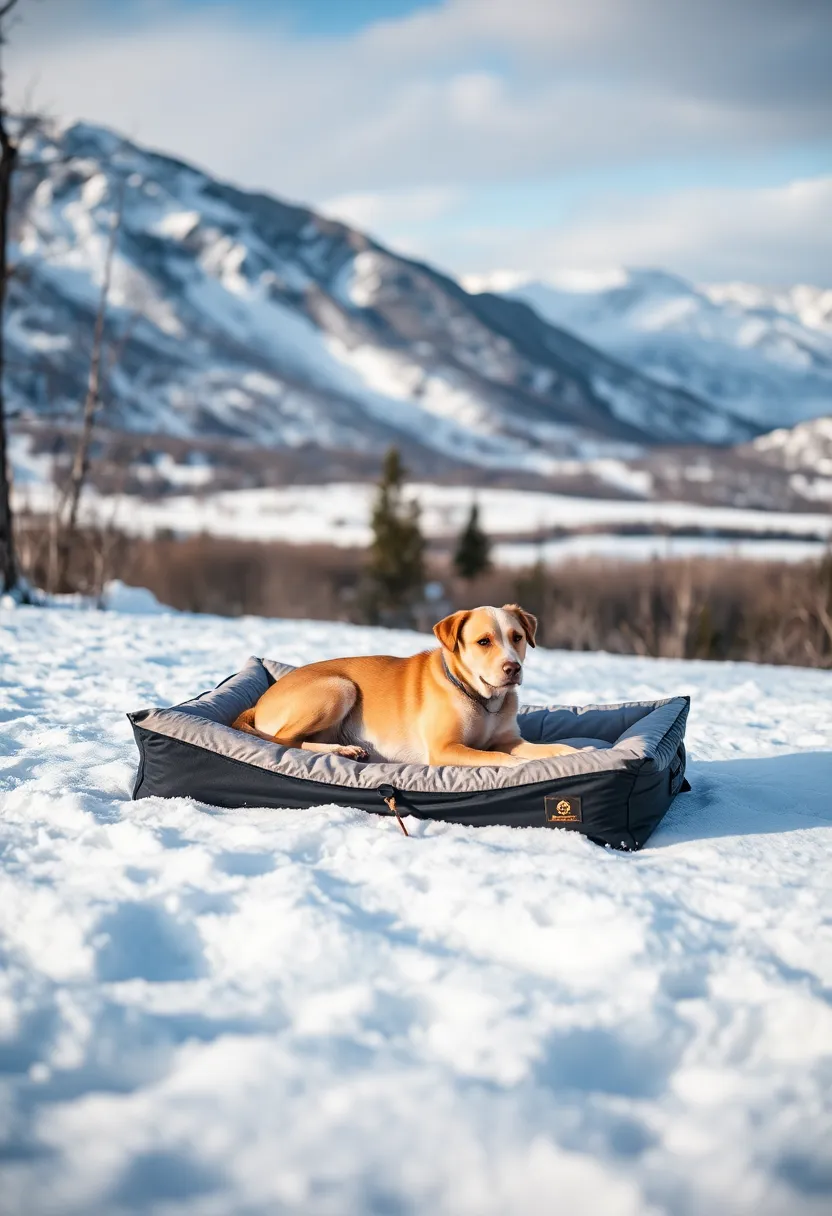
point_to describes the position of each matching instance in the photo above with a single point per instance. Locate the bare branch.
(8, 562)
(80, 465)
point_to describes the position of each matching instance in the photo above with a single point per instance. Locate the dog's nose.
(511, 669)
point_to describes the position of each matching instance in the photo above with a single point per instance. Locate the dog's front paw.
(353, 753)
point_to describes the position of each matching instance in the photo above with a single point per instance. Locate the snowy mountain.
(277, 1011)
(765, 355)
(238, 316)
(804, 453)
(811, 306)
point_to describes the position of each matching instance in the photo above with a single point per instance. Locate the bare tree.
(815, 616)
(9, 150)
(67, 522)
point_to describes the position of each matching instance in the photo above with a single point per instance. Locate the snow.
(29, 468)
(194, 473)
(807, 446)
(121, 597)
(573, 280)
(621, 475)
(811, 305)
(398, 392)
(339, 513)
(644, 548)
(360, 279)
(812, 489)
(255, 1011)
(763, 354)
(177, 225)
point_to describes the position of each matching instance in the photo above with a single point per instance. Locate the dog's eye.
(517, 637)
(484, 642)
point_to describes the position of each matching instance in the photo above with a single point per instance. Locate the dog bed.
(615, 790)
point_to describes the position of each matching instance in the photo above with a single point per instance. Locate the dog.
(453, 704)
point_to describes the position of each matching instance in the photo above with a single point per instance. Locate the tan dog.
(456, 704)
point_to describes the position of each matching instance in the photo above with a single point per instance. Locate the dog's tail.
(245, 722)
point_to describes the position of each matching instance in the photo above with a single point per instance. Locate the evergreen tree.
(473, 551)
(397, 552)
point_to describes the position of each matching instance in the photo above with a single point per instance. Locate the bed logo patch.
(562, 811)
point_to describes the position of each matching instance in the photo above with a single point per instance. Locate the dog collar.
(476, 697)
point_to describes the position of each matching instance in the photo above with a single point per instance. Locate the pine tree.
(397, 553)
(473, 552)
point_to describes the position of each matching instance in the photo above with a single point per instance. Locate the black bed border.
(619, 807)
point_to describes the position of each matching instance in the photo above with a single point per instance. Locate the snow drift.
(211, 1012)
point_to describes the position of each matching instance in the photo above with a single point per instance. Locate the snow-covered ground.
(610, 546)
(339, 513)
(258, 1011)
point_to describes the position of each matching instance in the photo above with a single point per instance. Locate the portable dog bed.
(615, 790)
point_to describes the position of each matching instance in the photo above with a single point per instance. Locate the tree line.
(702, 608)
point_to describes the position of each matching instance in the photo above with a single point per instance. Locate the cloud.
(408, 104)
(775, 235)
(391, 210)
(394, 125)
(767, 53)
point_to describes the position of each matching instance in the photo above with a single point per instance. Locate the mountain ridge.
(763, 353)
(238, 315)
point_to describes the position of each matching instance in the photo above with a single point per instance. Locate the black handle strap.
(388, 795)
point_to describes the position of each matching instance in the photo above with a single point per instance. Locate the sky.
(540, 137)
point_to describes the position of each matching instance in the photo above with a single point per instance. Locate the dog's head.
(489, 645)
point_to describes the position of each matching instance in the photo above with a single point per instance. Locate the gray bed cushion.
(613, 736)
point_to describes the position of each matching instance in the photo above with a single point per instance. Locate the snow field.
(207, 1012)
(612, 547)
(339, 513)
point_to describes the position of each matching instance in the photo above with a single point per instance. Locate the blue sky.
(302, 17)
(529, 136)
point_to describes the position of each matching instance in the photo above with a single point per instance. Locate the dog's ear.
(528, 623)
(449, 628)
